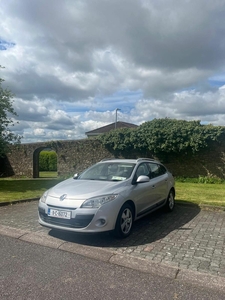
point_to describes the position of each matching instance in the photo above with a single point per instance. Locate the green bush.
(200, 179)
(47, 161)
(164, 136)
(210, 180)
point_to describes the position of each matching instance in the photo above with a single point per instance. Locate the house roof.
(109, 127)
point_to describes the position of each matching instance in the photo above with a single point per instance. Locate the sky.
(71, 63)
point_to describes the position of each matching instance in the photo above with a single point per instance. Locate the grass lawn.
(17, 189)
(200, 193)
(44, 174)
(197, 193)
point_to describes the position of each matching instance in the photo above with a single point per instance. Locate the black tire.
(170, 201)
(124, 221)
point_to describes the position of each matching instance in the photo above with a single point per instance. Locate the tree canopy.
(7, 137)
(161, 136)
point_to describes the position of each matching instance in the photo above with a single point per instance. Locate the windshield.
(116, 171)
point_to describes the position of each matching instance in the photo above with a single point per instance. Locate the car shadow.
(149, 229)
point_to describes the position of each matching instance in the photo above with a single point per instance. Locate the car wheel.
(170, 202)
(124, 221)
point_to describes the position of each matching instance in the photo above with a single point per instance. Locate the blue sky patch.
(217, 80)
(4, 45)
(123, 99)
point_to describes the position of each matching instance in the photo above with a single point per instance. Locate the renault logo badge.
(63, 197)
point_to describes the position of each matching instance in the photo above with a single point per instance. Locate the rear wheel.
(124, 221)
(170, 202)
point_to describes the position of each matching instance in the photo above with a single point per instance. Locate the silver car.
(108, 196)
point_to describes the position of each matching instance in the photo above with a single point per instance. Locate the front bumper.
(82, 220)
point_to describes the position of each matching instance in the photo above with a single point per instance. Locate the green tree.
(7, 137)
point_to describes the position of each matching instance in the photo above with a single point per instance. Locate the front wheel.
(124, 221)
(170, 202)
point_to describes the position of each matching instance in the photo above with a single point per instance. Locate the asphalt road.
(186, 246)
(187, 239)
(31, 271)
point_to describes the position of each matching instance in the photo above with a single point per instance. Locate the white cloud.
(39, 132)
(72, 63)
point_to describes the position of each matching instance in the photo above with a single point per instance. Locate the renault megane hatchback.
(108, 196)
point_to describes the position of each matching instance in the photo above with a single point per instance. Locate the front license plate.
(63, 214)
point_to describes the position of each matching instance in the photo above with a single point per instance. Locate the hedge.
(47, 161)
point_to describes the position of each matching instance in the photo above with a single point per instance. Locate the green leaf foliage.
(47, 161)
(161, 136)
(6, 109)
(119, 139)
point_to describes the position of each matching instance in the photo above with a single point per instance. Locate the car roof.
(129, 160)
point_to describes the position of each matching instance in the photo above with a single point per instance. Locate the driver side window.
(142, 170)
(156, 170)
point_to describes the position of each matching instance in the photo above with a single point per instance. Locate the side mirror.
(75, 176)
(142, 178)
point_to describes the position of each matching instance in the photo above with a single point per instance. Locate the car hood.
(83, 189)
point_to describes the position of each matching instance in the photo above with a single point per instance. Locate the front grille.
(61, 207)
(80, 221)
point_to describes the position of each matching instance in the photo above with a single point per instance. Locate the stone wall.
(72, 156)
(75, 156)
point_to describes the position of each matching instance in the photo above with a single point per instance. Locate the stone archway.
(36, 155)
(36, 161)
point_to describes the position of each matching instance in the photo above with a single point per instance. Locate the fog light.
(100, 222)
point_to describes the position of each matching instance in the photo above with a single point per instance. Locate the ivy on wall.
(164, 136)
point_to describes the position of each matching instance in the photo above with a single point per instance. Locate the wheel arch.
(131, 203)
(173, 190)
(118, 231)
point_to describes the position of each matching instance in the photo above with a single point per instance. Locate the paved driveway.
(187, 238)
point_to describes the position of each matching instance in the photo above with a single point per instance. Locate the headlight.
(97, 202)
(44, 197)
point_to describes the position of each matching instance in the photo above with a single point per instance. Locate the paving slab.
(187, 241)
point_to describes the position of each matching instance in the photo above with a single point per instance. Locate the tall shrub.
(47, 161)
